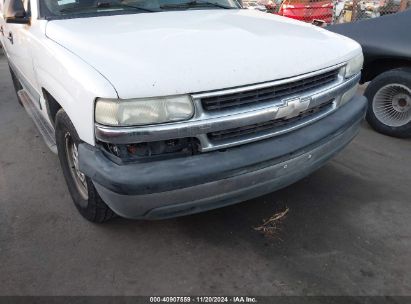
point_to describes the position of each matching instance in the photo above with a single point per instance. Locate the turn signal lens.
(354, 66)
(348, 95)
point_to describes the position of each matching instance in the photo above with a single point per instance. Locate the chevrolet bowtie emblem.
(293, 107)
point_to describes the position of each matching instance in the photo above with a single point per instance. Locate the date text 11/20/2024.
(238, 299)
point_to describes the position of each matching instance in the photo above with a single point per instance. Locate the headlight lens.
(348, 95)
(354, 66)
(144, 111)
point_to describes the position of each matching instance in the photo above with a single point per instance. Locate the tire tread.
(95, 210)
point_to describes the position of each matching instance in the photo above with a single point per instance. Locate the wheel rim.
(72, 158)
(392, 105)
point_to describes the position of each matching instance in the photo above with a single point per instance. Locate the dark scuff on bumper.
(181, 186)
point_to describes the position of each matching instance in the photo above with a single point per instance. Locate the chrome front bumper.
(205, 122)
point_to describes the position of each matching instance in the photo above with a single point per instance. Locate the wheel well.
(375, 67)
(52, 105)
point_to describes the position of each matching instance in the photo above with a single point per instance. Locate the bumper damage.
(181, 186)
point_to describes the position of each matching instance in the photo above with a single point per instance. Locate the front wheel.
(84, 194)
(389, 98)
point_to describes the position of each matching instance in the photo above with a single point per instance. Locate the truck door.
(1, 23)
(17, 42)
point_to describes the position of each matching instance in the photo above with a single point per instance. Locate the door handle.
(1, 30)
(11, 37)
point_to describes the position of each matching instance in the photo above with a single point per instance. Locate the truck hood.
(167, 53)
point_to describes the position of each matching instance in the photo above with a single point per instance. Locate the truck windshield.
(78, 8)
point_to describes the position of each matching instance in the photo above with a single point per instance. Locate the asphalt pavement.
(347, 232)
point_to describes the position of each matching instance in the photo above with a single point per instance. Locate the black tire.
(395, 77)
(89, 203)
(17, 85)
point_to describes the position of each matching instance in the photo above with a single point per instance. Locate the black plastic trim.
(155, 177)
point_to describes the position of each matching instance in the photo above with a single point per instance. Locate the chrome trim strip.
(202, 124)
(209, 145)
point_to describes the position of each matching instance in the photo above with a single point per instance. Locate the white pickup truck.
(159, 108)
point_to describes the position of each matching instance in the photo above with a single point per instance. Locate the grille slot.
(260, 128)
(265, 95)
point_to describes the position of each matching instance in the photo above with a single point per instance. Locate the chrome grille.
(266, 95)
(268, 126)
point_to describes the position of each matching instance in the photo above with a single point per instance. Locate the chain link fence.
(323, 12)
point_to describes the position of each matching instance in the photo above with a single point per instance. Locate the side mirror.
(19, 17)
(16, 13)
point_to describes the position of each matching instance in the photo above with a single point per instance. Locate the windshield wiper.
(194, 3)
(121, 4)
(103, 5)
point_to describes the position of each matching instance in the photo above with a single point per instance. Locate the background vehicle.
(307, 10)
(386, 45)
(255, 5)
(273, 6)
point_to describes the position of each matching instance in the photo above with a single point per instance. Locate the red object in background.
(307, 10)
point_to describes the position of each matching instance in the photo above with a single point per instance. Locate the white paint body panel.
(159, 54)
(72, 82)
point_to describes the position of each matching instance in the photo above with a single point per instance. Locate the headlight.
(144, 111)
(354, 66)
